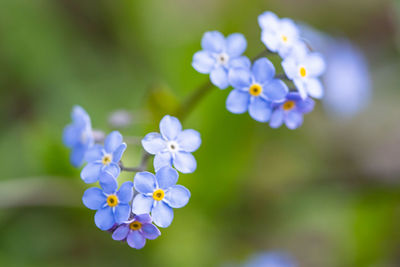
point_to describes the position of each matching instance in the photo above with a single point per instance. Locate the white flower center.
(222, 59)
(172, 146)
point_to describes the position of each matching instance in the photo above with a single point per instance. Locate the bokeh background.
(328, 194)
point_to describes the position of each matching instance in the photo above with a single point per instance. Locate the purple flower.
(112, 206)
(136, 231)
(104, 159)
(291, 111)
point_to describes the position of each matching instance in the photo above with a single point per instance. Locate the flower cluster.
(132, 212)
(257, 89)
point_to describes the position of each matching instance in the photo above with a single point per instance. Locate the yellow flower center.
(158, 194)
(135, 225)
(303, 72)
(288, 105)
(255, 89)
(106, 159)
(112, 200)
(284, 38)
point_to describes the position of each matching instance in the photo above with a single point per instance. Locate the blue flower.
(219, 55)
(104, 159)
(291, 111)
(278, 35)
(136, 231)
(271, 259)
(112, 206)
(255, 90)
(304, 68)
(173, 146)
(158, 194)
(78, 135)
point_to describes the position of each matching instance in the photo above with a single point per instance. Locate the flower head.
(158, 194)
(291, 111)
(304, 68)
(173, 145)
(278, 35)
(255, 90)
(112, 206)
(219, 55)
(78, 135)
(104, 158)
(136, 231)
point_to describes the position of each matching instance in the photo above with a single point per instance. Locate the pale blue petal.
(276, 118)
(235, 44)
(94, 153)
(293, 120)
(113, 169)
(314, 88)
(144, 182)
(122, 212)
(91, 172)
(104, 218)
(112, 142)
(203, 62)
(276, 90)
(162, 214)
(153, 143)
(94, 198)
(184, 162)
(70, 135)
(170, 127)
(77, 155)
(117, 155)
(315, 64)
(166, 177)
(289, 28)
(177, 196)
(270, 40)
(135, 240)
(290, 67)
(150, 231)
(143, 218)
(268, 20)
(189, 140)
(121, 232)
(237, 101)
(213, 41)
(300, 88)
(259, 109)
(125, 192)
(306, 105)
(219, 77)
(240, 78)
(162, 159)
(263, 70)
(79, 115)
(240, 62)
(142, 204)
(108, 182)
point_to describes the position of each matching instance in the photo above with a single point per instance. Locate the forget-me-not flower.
(173, 146)
(136, 231)
(104, 158)
(278, 35)
(158, 194)
(291, 111)
(78, 135)
(304, 68)
(219, 55)
(271, 259)
(112, 206)
(255, 90)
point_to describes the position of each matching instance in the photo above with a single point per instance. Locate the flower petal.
(94, 153)
(170, 127)
(203, 62)
(268, 20)
(104, 218)
(121, 232)
(162, 214)
(77, 155)
(150, 231)
(118, 153)
(237, 101)
(70, 135)
(293, 120)
(306, 105)
(315, 64)
(108, 182)
(270, 40)
(112, 142)
(135, 240)
(189, 140)
(143, 218)
(240, 78)
(162, 159)
(236, 44)
(122, 212)
(240, 62)
(276, 118)
(125, 192)
(177, 196)
(219, 77)
(144, 182)
(263, 70)
(275, 90)
(94, 198)
(166, 177)
(314, 88)
(142, 204)
(300, 88)
(113, 169)
(259, 109)
(91, 172)
(153, 143)
(213, 41)
(184, 162)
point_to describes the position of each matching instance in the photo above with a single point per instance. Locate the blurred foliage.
(322, 193)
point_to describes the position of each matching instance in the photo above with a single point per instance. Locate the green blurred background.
(327, 193)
